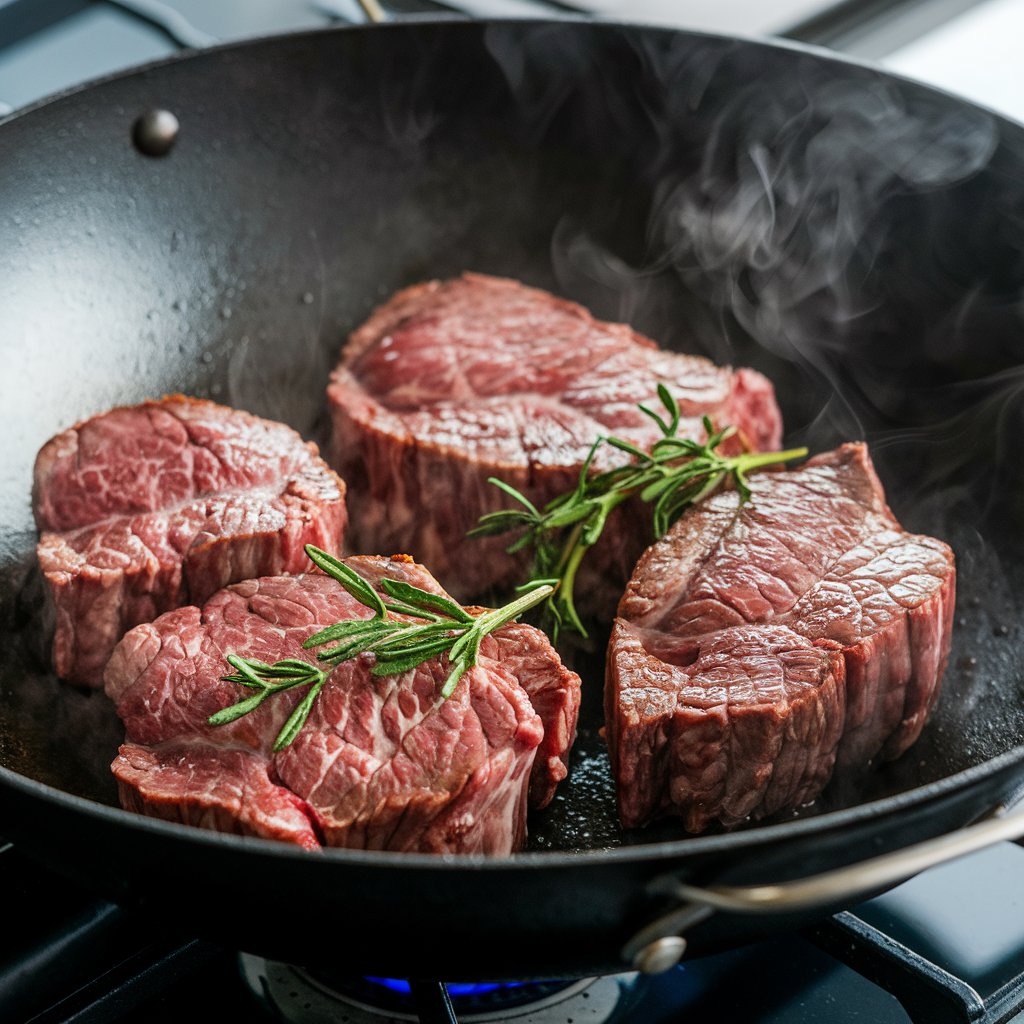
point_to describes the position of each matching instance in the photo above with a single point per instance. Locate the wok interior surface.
(857, 238)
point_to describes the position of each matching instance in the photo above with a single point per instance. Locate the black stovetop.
(949, 944)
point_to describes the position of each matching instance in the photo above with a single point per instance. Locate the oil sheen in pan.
(67, 737)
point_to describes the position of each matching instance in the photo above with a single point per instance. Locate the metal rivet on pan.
(155, 132)
(660, 955)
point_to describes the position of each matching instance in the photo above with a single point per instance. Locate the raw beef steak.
(148, 507)
(759, 646)
(452, 382)
(382, 762)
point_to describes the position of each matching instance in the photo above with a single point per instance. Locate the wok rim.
(682, 849)
(410, 20)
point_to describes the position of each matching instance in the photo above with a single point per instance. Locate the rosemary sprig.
(396, 644)
(677, 472)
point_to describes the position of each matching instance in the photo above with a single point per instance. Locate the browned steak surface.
(145, 508)
(758, 646)
(382, 763)
(451, 382)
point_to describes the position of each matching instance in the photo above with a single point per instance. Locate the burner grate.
(298, 996)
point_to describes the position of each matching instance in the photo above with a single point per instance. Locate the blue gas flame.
(455, 989)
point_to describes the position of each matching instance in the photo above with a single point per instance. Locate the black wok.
(857, 237)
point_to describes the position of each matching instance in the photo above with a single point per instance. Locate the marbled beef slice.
(148, 507)
(759, 646)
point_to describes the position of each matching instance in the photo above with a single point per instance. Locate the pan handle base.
(647, 950)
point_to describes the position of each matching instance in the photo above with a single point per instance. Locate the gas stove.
(946, 947)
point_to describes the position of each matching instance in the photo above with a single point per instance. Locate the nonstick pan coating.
(857, 238)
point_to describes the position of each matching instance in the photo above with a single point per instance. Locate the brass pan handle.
(660, 945)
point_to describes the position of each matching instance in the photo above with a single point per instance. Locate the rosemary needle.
(397, 645)
(676, 473)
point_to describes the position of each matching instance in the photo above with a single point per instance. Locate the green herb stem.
(396, 645)
(676, 473)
